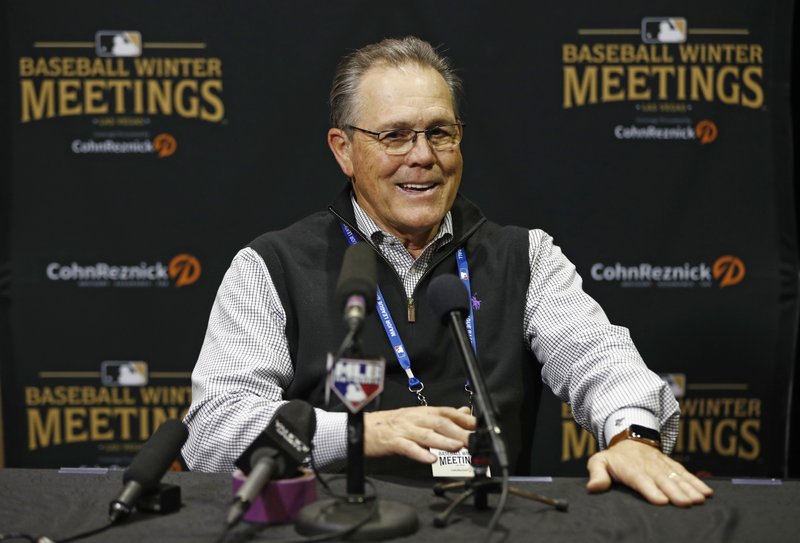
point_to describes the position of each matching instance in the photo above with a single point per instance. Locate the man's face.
(407, 195)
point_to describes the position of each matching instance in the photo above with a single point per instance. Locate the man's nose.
(421, 150)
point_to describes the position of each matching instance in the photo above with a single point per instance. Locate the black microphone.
(358, 280)
(449, 300)
(275, 453)
(148, 466)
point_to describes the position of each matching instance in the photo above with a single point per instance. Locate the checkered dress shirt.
(244, 366)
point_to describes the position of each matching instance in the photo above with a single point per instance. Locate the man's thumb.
(599, 478)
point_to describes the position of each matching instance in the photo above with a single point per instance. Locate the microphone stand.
(361, 516)
(486, 439)
(351, 348)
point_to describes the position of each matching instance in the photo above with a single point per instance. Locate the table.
(58, 505)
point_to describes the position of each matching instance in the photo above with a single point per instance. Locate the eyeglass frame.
(414, 138)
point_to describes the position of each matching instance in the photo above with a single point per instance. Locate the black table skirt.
(57, 505)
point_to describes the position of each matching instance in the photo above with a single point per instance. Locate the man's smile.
(417, 187)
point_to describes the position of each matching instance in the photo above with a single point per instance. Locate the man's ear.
(341, 147)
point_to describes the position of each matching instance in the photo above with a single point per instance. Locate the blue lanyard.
(463, 274)
(415, 385)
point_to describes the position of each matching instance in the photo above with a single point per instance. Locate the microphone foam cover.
(289, 434)
(359, 275)
(156, 455)
(447, 294)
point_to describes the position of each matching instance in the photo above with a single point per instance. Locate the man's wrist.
(623, 418)
(636, 432)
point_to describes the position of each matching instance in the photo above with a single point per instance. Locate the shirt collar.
(371, 229)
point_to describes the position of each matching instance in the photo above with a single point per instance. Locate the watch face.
(644, 433)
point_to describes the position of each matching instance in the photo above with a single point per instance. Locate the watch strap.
(642, 434)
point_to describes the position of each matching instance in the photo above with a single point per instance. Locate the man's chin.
(416, 227)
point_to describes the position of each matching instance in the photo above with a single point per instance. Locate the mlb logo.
(399, 349)
(124, 373)
(118, 43)
(464, 276)
(357, 381)
(664, 30)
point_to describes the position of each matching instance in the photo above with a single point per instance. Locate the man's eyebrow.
(405, 124)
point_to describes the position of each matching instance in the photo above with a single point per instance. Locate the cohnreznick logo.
(726, 271)
(163, 145)
(663, 128)
(182, 270)
(706, 131)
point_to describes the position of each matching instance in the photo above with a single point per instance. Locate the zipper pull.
(412, 311)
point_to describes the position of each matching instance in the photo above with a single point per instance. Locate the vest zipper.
(412, 311)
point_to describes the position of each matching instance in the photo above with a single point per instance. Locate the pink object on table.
(279, 501)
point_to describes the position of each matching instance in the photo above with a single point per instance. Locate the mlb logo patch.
(124, 373)
(357, 381)
(664, 29)
(118, 43)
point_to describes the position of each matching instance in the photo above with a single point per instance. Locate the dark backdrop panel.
(259, 161)
(5, 221)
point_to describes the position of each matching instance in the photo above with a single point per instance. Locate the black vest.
(304, 261)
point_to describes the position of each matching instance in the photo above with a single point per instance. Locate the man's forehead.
(384, 87)
(382, 71)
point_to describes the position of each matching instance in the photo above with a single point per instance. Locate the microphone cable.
(45, 539)
(86, 533)
(501, 505)
(18, 535)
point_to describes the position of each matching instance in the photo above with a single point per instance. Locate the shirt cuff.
(622, 418)
(330, 440)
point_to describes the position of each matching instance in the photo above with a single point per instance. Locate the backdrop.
(152, 140)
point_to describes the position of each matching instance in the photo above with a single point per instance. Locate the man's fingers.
(695, 496)
(648, 488)
(658, 478)
(411, 431)
(457, 428)
(690, 482)
(601, 475)
(681, 489)
(460, 417)
(599, 478)
(428, 437)
(413, 451)
(676, 490)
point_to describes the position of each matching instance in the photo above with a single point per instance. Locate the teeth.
(416, 187)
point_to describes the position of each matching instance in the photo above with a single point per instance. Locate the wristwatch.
(642, 434)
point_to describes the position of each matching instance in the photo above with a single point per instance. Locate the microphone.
(148, 466)
(449, 300)
(358, 281)
(275, 453)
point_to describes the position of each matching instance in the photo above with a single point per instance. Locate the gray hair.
(391, 52)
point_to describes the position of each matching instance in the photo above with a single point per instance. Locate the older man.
(396, 134)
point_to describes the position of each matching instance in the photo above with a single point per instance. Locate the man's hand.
(411, 431)
(647, 470)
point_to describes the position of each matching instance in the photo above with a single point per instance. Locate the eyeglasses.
(399, 141)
